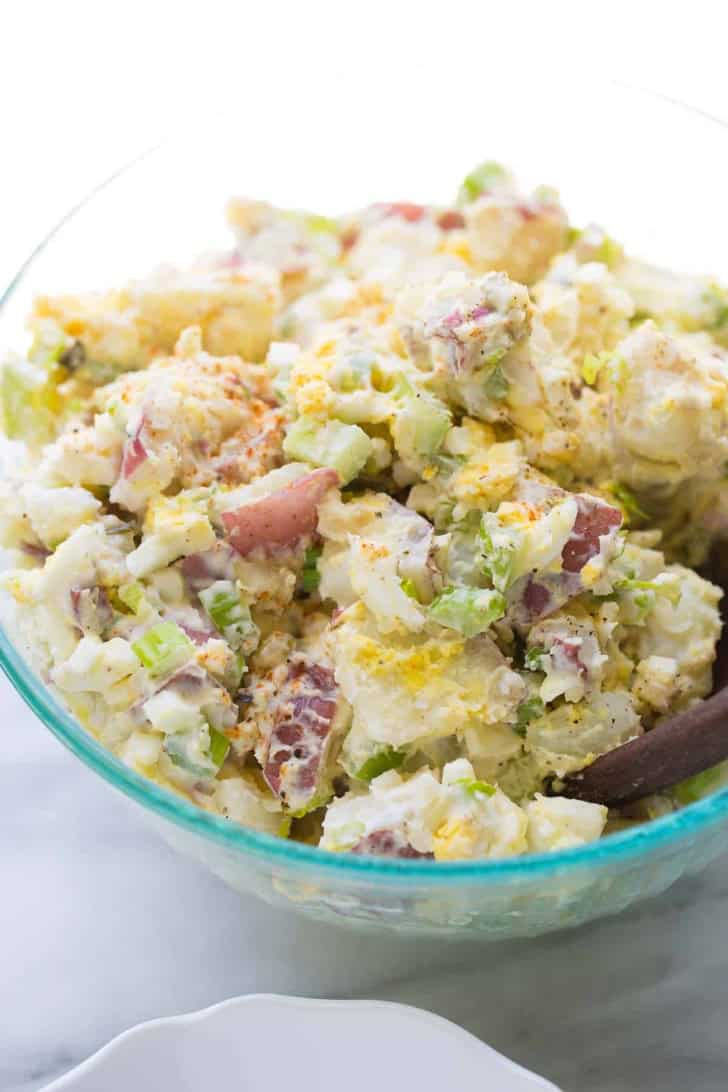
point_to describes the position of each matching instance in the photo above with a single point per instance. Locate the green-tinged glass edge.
(616, 848)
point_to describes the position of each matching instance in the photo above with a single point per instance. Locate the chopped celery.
(496, 384)
(546, 195)
(486, 176)
(468, 610)
(219, 747)
(618, 370)
(409, 588)
(163, 648)
(614, 366)
(474, 787)
(345, 448)
(186, 752)
(716, 298)
(316, 223)
(239, 668)
(311, 577)
(387, 759)
(696, 787)
(499, 551)
(230, 613)
(669, 587)
(354, 371)
(609, 253)
(593, 364)
(527, 711)
(132, 596)
(46, 351)
(320, 800)
(29, 400)
(420, 426)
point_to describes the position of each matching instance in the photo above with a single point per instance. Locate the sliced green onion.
(527, 711)
(387, 759)
(311, 577)
(532, 659)
(627, 501)
(163, 648)
(468, 610)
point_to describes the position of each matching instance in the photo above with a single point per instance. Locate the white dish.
(267, 1042)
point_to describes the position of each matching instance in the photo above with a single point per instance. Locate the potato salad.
(373, 529)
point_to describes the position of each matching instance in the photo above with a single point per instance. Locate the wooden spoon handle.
(679, 747)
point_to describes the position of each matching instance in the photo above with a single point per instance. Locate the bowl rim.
(616, 848)
(489, 1060)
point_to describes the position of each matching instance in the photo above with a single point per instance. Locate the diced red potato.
(281, 519)
(450, 220)
(197, 636)
(191, 622)
(135, 452)
(349, 238)
(188, 681)
(295, 739)
(389, 843)
(594, 519)
(566, 654)
(446, 220)
(405, 210)
(538, 595)
(536, 598)
(202, 569)
(91, 609)
(35, 551)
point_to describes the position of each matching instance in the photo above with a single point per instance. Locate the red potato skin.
(405, 210)
(593, 519)
(451, 220)
(134, 454)
(538, 595)
(307, 704)
(388, 843)
(281, 519)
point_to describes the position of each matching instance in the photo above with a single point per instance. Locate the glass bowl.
(652, 173)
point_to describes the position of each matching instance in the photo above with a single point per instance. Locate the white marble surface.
(103, 926)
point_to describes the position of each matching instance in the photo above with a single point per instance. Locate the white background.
(100, 925)
(84, 86)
